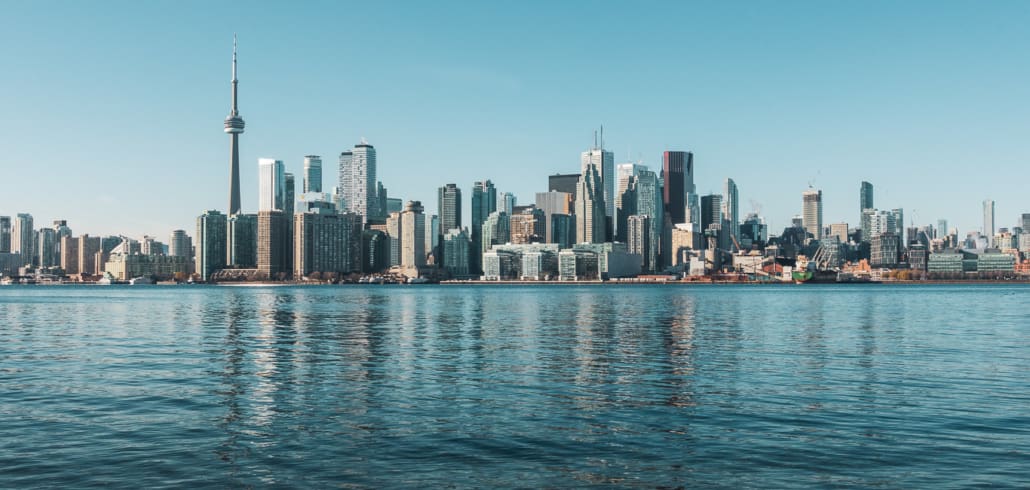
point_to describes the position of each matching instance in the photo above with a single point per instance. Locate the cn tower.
(234, 126)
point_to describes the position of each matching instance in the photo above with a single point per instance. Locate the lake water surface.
(515, 386)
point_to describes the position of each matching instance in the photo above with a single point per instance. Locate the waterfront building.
(484, 202)
(839, 231)
(413, 237)
(988, 229)
(234, 128)
(46, 248)
(731, 208)
(885, 250)
(123, 267)
(918, 256)
(496, 230)
(949, 261)
(533, 261)
(499, 265)
(639, 240)
(326, 243)
(457, 253)
(271, 185)
(812, 212)
(180, 244)
(590, 206)
(563, 183)
(563, 230)
(358, 180)
(243, 244)
(527, 226)
(312, 174)
(375, 251)
(551, 203)
(578, 265)
(211, 244)
(23, 237)
(613, 259)
(993, 261)
(70, 255)
(393, 232)
(274, 250)
(5, 234)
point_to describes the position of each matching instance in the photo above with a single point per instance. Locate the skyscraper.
(731, 207)
(358, 180)
(1025, 222)
(325, 242)
(289, 195)
(563, 183)
(711, 211)
(271, 185)
(605, 163)
(551, 203)
(179, 244)
(312, 173)
(484, 202)
(413, 237)
(449, 207)
(211, 242)
(812, 212)
(865, 197)
(234, 126)
(23, 238)
(46, 247)
(989, 220)
(242, 246)
(590, 206)
(274, 250)
(5, 234)
(678, 173)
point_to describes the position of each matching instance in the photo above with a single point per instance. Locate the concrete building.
(839, 231)
(640, 241)
(686, 238)
(70, 255)
(393, 232)
(988, 230)
(413, 237)
(885, 250)
(528, 226)
(180, 244)
(274, 245)
(326, 243)
(812, 212)
(234, 126)
(211, 243)
(271, 185)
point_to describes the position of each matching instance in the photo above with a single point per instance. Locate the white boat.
(141, 280)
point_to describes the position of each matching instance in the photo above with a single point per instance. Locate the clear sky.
(111, 113)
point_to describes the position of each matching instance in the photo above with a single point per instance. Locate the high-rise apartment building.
(638, 239)
(274, 244)
(590, 206)
(271, 185)
(89, 246)
(211, 243)
(812, 212)
(484, 202)
(865, 197)
(393, 232)
(46, 248)
(413, 236)
(456, 252)
(242, 246)
(23, 238)
(326, 243)
(180, 244)
(731, 207)
(358, 180)
(312, 173)
(70, 255)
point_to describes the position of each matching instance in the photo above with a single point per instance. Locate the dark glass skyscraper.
(234, 126)
(484, 202)
(678, 172)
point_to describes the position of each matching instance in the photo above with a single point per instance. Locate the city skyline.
(185, 85)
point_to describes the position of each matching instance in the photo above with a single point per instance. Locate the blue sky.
(111, 113)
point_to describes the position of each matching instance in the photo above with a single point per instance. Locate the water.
(447, 386)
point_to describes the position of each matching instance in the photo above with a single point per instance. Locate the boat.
(417, 280)
(141, 280)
